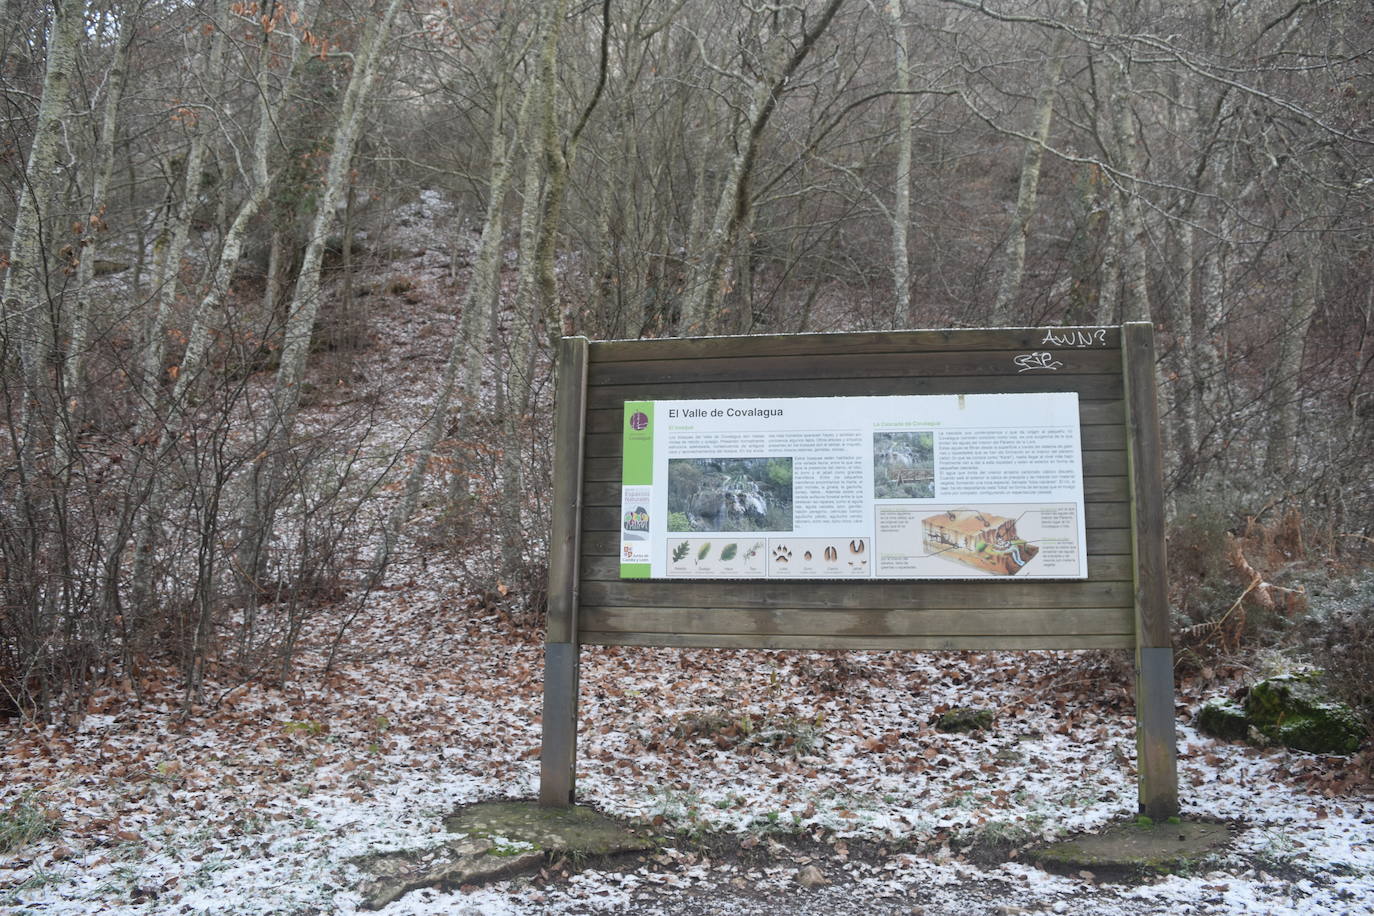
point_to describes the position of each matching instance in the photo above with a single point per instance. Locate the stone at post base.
(469, 860)
(494, 840)
(575, 830)
(1137, 848)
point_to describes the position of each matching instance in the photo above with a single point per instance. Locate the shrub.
(1339, 633)
(1235, 579)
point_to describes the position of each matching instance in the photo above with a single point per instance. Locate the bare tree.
(778, 58)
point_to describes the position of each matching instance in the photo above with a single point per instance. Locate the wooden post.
(558, 756)
(1156, 746)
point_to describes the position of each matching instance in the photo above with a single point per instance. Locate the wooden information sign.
(1118, 601)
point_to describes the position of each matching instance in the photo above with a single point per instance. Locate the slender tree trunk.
(744, 319)
(344, 332)
(1209, 340)
(103, 168)
(276, 255)
(695, 243)
(1109, 292)
(1134, 238)
(901, 207)
(276, 431)
(1285, 400)
(1014, 253)
(623, 263)
(1180, 392)
(525, 320)
(559, 159)
(4, 29)
(607, 310)
(179, 228)
(25, 327)
(140, 233)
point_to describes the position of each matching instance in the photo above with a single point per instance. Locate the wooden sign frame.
(1122, 603)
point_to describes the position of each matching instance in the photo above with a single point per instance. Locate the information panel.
(912, 487)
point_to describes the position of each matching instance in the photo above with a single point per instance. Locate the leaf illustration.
(727, 553)
(705, 549)
(680, 551)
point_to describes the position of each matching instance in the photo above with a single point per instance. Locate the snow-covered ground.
(821, 759)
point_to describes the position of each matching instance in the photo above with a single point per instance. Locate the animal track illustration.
(782, 554)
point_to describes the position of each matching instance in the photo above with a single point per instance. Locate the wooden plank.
(1101, 568)
(865, 622)
(1096, 463)
(1101, 541)
(832, 594)
(1090, 413)
(1098, 387)
(855, 643)
(849, 366)
(875, 342)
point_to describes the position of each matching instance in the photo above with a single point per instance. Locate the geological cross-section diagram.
(978, 539)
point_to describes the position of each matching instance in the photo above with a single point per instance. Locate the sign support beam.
(558, 753)
(1156, 743)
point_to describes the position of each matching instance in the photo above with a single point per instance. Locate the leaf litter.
(257, 805)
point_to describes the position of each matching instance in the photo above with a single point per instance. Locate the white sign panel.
(914, 487)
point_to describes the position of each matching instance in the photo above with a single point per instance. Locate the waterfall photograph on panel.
(895, 487)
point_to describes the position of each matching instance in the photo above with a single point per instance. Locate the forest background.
(204, 204)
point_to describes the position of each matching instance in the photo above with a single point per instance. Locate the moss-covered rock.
(964, 719)
(1223, 719)
(1294, 710)
(1288, 709)
(1332, 730)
